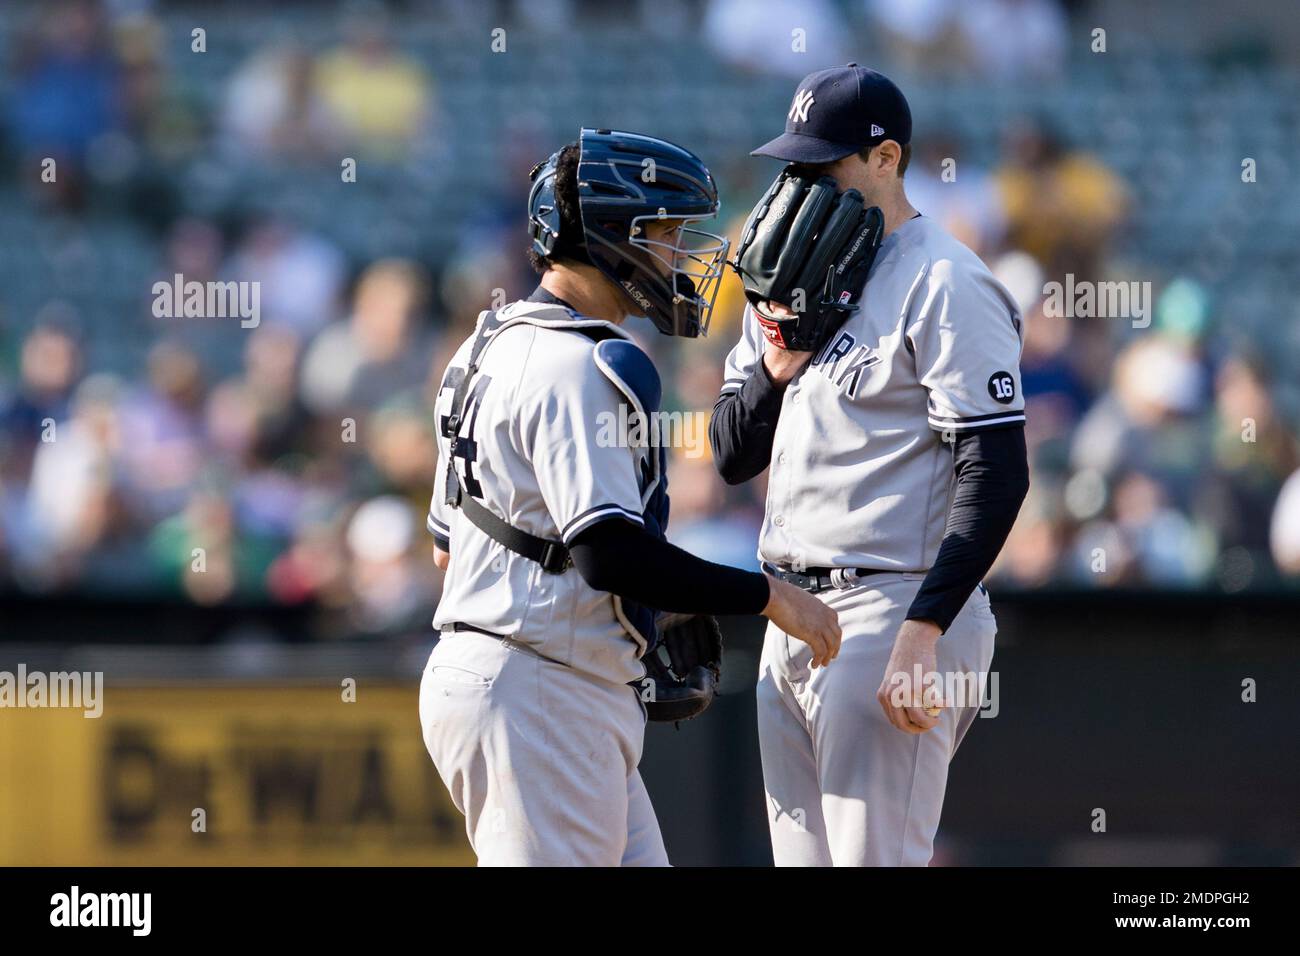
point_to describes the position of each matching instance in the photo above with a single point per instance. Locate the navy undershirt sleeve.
(743, 426)
(992, 470)
(624, 559)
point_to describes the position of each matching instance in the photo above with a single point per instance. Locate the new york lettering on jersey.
(861, 475)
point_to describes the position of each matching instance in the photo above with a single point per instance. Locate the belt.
(460, 627)
(815, 580)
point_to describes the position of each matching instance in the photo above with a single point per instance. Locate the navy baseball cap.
(839, 111)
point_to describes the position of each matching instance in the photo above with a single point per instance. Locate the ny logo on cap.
(799, 108)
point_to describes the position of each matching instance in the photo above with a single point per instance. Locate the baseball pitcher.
(549, 518)
(892, 424)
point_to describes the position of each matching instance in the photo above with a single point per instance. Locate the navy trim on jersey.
(598, 513)
(441, 533)
(973, 423)
(973, 418)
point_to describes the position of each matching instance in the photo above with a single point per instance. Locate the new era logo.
(799, 108)
(876, 130)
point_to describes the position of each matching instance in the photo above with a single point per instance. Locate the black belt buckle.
(556, 558)
(820, 579)
(812, 583)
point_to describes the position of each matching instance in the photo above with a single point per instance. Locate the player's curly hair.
(570, 245)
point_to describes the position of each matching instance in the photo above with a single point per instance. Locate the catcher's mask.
(626, 181)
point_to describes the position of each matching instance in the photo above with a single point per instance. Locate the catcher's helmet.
(624, 181)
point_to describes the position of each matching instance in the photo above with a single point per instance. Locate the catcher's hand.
(808, 248)
(685, 685)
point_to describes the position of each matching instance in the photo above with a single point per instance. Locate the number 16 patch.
(1002, 387)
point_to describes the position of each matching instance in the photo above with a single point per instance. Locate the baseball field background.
(220, 510)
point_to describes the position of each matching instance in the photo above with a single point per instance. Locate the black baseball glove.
(809, 248)
(685, 684)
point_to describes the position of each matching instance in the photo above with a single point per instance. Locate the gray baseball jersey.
(860, 475)
(539, 453)
(533, 727)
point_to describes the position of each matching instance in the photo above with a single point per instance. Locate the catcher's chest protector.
(636, 379)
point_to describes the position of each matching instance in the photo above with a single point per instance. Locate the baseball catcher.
(555, 648)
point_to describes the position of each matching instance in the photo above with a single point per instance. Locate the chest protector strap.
(551, 554)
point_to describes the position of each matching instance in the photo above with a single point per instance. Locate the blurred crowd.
(299, 470)
(990, 39)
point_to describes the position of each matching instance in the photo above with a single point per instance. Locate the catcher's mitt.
(685, 685)
(808, 248)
